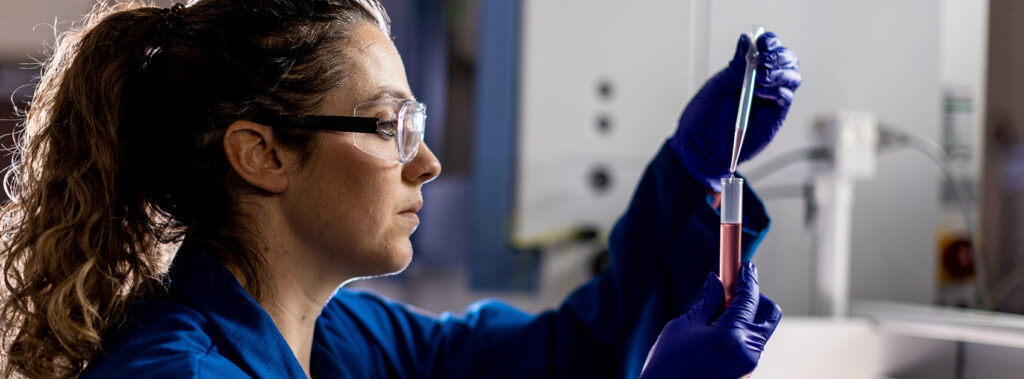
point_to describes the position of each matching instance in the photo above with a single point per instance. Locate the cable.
(782, 191)
(783, 160)
(889, 135)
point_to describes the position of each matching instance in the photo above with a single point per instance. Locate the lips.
(414, 208)
(409, 213)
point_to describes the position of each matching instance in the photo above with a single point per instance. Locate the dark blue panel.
(495, 264)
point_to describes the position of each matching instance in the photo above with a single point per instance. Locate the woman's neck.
(293, 296)
(297, 283)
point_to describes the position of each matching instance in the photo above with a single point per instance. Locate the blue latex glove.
(699, 345)
(704, 138)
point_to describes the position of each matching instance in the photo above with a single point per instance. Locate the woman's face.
(352, 211)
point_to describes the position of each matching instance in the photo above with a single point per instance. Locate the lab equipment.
(731, 231)
(746, 97)
(851, 138)
(703, 141)
(581, 123)
(696, 345)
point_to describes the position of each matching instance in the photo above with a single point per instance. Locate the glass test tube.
(732, 225)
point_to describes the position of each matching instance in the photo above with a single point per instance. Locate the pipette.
(732, 187)
(746, 97)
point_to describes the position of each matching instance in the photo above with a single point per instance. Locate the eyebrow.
(391, 93)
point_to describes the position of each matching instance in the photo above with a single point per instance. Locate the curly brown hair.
(119, 156)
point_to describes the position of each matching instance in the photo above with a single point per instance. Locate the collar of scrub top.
(246, 330)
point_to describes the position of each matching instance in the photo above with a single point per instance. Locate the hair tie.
(169, 18)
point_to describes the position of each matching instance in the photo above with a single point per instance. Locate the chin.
(396, 260)
(400, 263)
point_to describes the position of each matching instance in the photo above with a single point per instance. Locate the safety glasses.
(388, 129)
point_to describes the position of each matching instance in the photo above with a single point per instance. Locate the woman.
(281, 142)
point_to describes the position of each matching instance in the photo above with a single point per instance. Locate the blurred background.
(895, 185)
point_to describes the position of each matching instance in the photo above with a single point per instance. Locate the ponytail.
(76, 240)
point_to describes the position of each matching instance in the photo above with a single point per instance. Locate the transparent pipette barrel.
(731, 231)
(746, 97)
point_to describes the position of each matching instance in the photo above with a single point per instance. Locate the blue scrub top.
(204, 324)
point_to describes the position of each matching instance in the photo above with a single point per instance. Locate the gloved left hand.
(700, 344)
(703, 140)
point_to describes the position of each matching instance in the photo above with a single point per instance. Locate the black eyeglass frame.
(389, 128)
(355, 124)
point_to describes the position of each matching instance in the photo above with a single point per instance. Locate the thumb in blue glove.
(704, 344)
(703, 140)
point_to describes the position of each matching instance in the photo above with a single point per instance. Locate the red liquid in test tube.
(731, 231)
(729, 263)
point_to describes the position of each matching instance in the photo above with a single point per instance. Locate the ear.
(255, 156)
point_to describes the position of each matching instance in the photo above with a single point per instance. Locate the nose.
(423, 168)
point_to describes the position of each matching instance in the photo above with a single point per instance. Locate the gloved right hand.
(704, 138)
(701, 344)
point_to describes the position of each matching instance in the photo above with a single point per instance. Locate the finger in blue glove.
(704, 136)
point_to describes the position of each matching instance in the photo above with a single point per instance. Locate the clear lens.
(413, 123)
(400, 129)
(384, 144)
